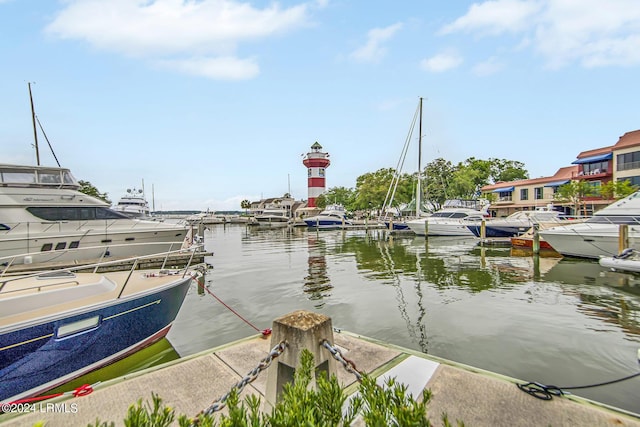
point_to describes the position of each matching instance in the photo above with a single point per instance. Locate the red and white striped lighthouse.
(316, 162)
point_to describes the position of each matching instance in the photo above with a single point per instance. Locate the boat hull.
(89, 243)
(499, 230)
(588, 240)
(454, 229)
(34, 357)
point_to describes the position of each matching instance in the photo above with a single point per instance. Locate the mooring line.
(265, 332)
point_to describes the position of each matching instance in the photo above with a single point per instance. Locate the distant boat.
(333, 216)
(517, 223)
(452, 220)
(57, 325)
(133, 204)
(272, 217)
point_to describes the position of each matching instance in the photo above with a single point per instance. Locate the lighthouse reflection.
(317, 283)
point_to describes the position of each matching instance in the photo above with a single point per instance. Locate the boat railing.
(104, 224)
(68, 272)
(7, 262)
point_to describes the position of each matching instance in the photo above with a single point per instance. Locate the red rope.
(265, 332)
(83, 390)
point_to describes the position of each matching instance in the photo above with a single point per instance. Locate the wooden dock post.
(483, 230)
(536, 239)
(623, 237)
(301, 330)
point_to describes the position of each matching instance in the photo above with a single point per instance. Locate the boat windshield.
(22, 176)
(614, 219)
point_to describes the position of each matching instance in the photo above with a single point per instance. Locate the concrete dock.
(191, 384)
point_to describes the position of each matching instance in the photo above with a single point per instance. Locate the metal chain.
(349, 365)
(249, 378)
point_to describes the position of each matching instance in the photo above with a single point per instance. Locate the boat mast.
(35, 132)
(418, 186)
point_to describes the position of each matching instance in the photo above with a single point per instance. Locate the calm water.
(563, 322)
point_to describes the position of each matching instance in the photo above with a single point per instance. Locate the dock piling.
(300, 330)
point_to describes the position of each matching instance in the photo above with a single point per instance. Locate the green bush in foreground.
(300, 405)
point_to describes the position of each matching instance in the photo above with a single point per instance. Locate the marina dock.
(189, 385)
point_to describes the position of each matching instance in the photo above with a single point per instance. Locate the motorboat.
(452, 220)
(133, 204)
(43, 215)
(333, 216)
(57, 325)
(518, 223)
(598, 235)
(272, 217)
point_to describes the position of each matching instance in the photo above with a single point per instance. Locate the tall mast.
(418, 186)
(35, 132)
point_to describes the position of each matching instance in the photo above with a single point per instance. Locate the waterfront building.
(620, 161)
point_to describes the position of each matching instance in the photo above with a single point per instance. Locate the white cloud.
(562, 31)
(441, 62)
(374, 49)
(219, 68)
(496, 17)
(159, 29)
(488, 67)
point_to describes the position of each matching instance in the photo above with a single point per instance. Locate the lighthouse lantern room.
(316, 162)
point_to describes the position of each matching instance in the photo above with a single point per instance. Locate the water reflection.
(317, 283)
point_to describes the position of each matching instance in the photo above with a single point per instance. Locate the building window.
(505, 196)
(538, 193)
(524, 194)
(628, 161)
(633, 180)
(595, 168)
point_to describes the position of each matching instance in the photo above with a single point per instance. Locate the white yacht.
(452, 220)
(273, 217)
(45, 218)
(598, 235)
(133, 204)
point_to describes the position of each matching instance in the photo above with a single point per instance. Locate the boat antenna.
(33, 119)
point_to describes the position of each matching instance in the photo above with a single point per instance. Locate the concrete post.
(301, 330)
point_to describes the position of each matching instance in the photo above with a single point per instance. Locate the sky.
(210, 102)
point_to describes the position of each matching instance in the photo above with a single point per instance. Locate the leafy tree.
(371, 189)
(87, 188)
(617, 189)
(340, 195)
(575, 192)
(507, 170)
(245, 204)
(438, 180)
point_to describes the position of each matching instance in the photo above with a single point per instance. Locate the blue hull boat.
(57, 326)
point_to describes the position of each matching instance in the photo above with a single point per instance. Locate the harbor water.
(565, 322)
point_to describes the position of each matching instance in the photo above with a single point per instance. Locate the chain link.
(249, 378)
(349, 365)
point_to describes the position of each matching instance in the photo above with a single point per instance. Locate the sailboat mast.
(35, 131)
(418, 186)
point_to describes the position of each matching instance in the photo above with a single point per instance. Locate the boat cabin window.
(74, 213)
(17, 177)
